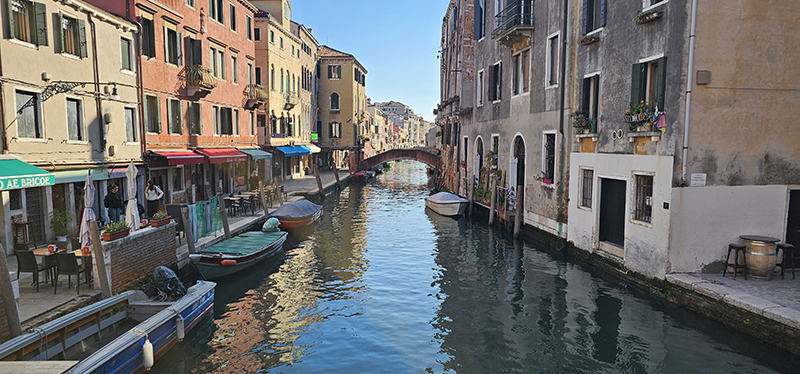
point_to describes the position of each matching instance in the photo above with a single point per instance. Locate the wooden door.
(612, 211)
(793, 220)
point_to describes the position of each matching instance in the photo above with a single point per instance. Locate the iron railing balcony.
(257, 92)
(199, 80)
(514, 22)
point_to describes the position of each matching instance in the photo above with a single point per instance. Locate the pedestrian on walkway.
(152, 194)
(113, 203)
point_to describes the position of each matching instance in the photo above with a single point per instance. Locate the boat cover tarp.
(446, 197)
(245, 243)
(297, 209)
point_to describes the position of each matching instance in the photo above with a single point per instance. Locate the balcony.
(256, 96)
(199, 80)
(515, 23)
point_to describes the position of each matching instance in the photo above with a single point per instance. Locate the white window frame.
(131, 57)
(496, 153)
(135, 125)
(548, 68)
(479, 88)
(646, 7)
(235, 121)
(592, 98)
(581, 170)
(234, 68)
(146, 124)
(518, 77)
(555, 157)
(495, 86)
(252, 119)
(232, 17)
(216, 128)
(81, 120)
(330, 102)
(190, 3)
(649, 78)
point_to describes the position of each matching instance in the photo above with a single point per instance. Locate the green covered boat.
(237, 253)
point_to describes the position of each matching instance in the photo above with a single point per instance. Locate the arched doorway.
(516, 170)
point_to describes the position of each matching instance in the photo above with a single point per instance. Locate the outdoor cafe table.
(86, 258)
(760, 255)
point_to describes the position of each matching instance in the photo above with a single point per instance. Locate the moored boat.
(67, 338)
(297, 214)
(360, 176)
(446, 204)
(237, 253)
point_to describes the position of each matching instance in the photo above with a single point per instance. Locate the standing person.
(113, 203)
(253, 182)
(152, 194)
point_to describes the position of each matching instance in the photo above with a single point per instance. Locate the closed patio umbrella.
(132, 209)
(88, 213)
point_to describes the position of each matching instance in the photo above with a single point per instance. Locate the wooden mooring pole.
(224, 214)
(519, 211)
(7, 294)
(494, 201)
(188, 228)
(100, 260)
(319, 181)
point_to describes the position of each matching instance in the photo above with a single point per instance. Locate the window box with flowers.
(589, 39)
(583, 124)
(648, 16)
(639, 117)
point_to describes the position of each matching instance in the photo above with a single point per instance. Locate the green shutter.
(179, 52)
(587, 93)
(638, 78)
(147, 118)
(12, 25)
(198, 52)
(181, 116)
(82, 38)
(60, 28)
(40, 24)
(660, 83)
(158, 115)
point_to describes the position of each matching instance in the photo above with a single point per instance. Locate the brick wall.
(136, 255)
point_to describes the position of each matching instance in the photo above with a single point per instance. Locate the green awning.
(16, 174)
(256, 154)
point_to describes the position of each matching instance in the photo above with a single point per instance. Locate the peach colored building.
(198, 94)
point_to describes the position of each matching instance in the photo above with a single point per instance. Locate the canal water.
(381, 285)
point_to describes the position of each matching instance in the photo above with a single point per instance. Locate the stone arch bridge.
(429, 156)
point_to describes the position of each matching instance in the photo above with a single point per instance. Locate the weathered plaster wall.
(705, 219)
(646, 245)
(742, 121)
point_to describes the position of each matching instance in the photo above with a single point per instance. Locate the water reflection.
(382, 285)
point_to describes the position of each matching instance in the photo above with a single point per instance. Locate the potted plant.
(116, 230)
(589, 39)
(160, 219)
(581, 122)
(59, 221)
(638, 112)
(647, 16)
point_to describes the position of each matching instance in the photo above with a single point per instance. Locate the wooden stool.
(788, 255)
(735, 265)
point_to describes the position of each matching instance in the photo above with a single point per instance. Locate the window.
(334, 71)
(643, 207)
(548, 158)
(335, 130)
(249, 25)
(272, 36)
(73, 35)
(130, 125)
(258, 75)
(177, 179)
(250, 78)
(148, 38)
(281, 80)
(496, 84)
(587, 181)
(257, 34)
(74, 119)
(225, 121)
(271, 78)
(552, 61)
(152, 114)
(194, 51)
(215, 119)
(190, 3)
(292, 50)
(215, 10)
(495, 149)
(281, 44)
(218, 62)
(480, 19)
(648, 82)
(28, 21)
(479, 85)
(252, 123)
(590, 103)
(173, 47)
(236, 121)
(594, 15)
(174, 116)
(521, 70)
(649, 3)
(335, 101)
(233, 17)
(125, 45)
(194, 118)
(234, 69)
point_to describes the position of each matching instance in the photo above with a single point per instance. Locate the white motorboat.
(446, 204)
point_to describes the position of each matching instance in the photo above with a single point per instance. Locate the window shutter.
(11, 23)
(179, 52)
(60, 28)
(158, 115)
(166, 45)
(500, 81)
(147, 118)
(638, 78)
(199, 118)
(220, 12)
(180, 117)
(211, 8)
(602, 13)
(585, 20)
(40, 24)
(587, 91)
(330, 129)
(82, 37)
(660, 83)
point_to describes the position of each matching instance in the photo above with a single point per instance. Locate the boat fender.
(228, 262)
(179, 327)
(147, 354)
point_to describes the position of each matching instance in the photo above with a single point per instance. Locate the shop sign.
(19, 182)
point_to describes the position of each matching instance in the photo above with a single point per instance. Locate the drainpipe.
(97, 100)
(685, 156)
(560, 217)
(139, 80)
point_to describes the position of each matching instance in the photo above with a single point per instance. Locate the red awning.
(180, 157)
(222, 155)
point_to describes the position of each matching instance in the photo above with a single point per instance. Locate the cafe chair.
(68, 264)
(788, 257)
(26, 263)
(735, 265)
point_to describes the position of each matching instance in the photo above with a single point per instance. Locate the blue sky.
(396, 41)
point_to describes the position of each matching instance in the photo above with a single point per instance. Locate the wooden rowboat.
(297, 214)
(237, 253)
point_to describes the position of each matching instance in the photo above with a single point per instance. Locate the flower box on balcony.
(589, 39)
(648, 16)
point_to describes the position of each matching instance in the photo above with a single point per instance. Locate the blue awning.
(298, 150)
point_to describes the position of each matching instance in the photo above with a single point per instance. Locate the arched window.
(281, 80)
(288, 81)
(294, 83)
(272, 78)
(334, 101)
